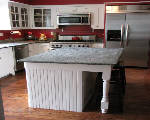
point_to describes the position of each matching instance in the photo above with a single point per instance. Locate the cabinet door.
(44, 18)
(67, 9)
(83, 9)
(73, 9)
(97, 16)
(15, 16)
(94, 17)
(38, 17)
(7, 62)
(101, 14)
(19, 15)
(24, 17)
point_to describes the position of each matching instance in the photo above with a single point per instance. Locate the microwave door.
(69, 20)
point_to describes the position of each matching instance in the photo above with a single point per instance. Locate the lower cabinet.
(37, 48)
(8, 57)
(7, 62)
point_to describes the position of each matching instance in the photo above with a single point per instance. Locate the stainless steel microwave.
(74, 19)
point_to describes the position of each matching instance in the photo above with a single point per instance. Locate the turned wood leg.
(105, 100)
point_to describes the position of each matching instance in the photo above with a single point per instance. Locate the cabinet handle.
(0, 58)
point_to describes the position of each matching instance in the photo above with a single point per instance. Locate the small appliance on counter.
(29, 36)
(54, 36)
(42, 36)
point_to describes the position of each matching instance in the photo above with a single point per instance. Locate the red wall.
(68, 30)
(22, 1)
(7, 34)
(63, 2)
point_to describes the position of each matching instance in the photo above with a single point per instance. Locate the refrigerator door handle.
(127, 33)
(122, 31)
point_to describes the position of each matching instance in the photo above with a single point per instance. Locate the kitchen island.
(60, 79)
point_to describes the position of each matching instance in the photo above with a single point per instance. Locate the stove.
(70, 44)
(66, 41)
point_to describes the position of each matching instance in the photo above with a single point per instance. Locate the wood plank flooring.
(136, 101)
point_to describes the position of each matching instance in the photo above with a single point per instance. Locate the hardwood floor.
(136, 101)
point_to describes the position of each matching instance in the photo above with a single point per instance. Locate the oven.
(70, 41)
(55, 45)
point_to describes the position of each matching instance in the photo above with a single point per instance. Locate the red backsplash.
(66, 30)
(7, 35)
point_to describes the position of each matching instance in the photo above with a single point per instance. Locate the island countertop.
(97, 56)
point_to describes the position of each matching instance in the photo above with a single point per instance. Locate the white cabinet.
(72, 9)
(13, 15)
(101, 14)
(7, 62)
(19, 15)
(4, 12)
(97, 16)
(97, 12)
(43, 17)
(37, 48)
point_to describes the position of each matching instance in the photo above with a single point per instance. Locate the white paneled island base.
(64, 79)
(64, 86)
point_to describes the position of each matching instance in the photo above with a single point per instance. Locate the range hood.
(127, 8)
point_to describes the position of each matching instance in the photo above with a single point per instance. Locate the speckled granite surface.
(78, 56)
(5, 45)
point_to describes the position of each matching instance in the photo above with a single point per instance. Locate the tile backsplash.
(63, 30)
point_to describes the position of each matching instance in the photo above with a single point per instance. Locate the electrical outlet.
(1, 34)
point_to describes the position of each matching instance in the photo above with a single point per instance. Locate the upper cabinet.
(97, 12)
(101, 14)
(23, 16)
(4, 12)
(19, 15)
(43, 17)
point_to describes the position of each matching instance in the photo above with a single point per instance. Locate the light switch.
(1, 34)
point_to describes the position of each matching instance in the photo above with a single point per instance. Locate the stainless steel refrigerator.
(134, 31)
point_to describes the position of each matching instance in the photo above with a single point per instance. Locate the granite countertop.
(12, 44)
(5, 45)
(95, 56)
